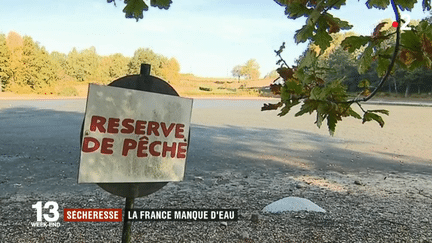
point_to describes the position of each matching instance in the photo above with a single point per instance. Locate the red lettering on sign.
(166, 131)
(86, 148)
(142, 145)
(179, 130)
(181, 152)
(153, 127)
(128, 127)
(152, 150)
(140, 127)
(128, 144)
(107, 144)
(97, 122)
(166, 148)
(113, 124)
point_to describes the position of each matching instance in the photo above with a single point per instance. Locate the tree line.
(313, 84)
(336, 63)
(27, 67)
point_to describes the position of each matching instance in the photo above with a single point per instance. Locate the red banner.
(92, 215)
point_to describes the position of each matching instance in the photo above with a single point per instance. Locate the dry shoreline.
(377, 101)
(49, 97)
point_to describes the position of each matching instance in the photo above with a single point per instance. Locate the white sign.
(134, 136)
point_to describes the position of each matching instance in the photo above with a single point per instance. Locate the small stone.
(358, 183)
(425, 220)
(245, 235)
(224, 224)
(255, 218)
(300, 186)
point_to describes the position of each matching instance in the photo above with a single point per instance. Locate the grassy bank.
(191, 86)
(186, 86)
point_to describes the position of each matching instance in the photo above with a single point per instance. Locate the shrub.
(205, 88)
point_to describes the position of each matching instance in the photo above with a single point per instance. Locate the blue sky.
(207, 37)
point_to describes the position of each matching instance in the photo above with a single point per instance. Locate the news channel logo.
(47, 214)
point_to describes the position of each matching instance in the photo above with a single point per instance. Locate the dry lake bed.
(375, 183)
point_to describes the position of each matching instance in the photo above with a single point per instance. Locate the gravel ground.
(360, 208)
(374, 183)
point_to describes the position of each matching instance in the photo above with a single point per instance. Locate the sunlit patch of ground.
(321, 182)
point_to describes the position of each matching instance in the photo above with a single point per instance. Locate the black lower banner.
(182, 214)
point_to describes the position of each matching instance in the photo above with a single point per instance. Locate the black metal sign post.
(126, 235)
(143, 82)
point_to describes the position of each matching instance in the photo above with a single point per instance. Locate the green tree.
(30, 65)
(417, 80)
(59, 59)
(90, 60)
(104, 70)
(118, 67)
(237, 72)
(29, 59)
(83, 65)
(328, 99)
(342, 65)
(38, 68)
(112, 67)
(15, 44)
(60, 66)
(145, 55)
(170, 70)
(47, 73)
(250, 70)
(76, 65)
(5, 71)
